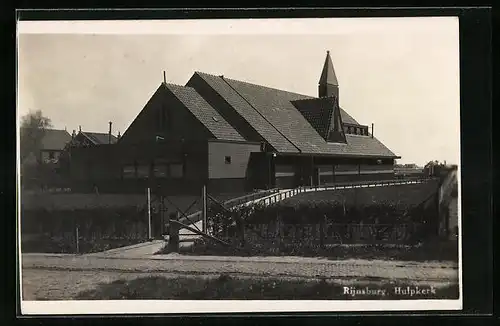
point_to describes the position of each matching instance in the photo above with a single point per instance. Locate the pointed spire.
(328, 74)
(328, 84)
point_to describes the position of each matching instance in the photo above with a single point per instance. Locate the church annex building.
(235, 136)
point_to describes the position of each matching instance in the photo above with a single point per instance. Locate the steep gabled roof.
(245, 110)
(205, 113)
(54, 139)
(272, 114)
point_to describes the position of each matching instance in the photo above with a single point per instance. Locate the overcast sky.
(400, 74)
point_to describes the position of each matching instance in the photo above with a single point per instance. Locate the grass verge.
(446, 250)
(226, 287)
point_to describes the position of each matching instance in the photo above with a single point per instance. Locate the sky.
(402, 74)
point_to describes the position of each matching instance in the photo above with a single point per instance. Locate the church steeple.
(328, 84)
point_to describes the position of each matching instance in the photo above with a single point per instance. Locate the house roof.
(99, 138)
(272, 113)
(205, 113)
(318, 111)
(247, 112)
(55, 139)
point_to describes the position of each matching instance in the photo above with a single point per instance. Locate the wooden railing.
(284, 194)
(234, 202)
(279, 195)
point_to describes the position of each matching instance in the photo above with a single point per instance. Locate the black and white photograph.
(250, 165)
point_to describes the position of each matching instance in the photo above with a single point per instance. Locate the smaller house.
(52, 145)
(40, 168)
(87, 139)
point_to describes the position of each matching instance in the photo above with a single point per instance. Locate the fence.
(82, 230)
(334, 233)
(231, 203)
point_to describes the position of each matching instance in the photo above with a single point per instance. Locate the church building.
(232, 135)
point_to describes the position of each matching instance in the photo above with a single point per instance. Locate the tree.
(33, 126)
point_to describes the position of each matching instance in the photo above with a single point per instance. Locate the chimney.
(79, 128)
(119, 135)
(164, 76)
(109, 134)
(372, 129)
(73, 134)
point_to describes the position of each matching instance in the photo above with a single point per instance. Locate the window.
(128, 171)
(227, 159)
(51, 155)
(176, 170)
(160, 170)
(143, 171)
(163, 119)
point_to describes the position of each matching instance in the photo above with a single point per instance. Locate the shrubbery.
(99, 229)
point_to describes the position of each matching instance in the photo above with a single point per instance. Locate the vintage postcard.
(253, 165)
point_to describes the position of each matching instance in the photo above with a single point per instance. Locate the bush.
(99, 229)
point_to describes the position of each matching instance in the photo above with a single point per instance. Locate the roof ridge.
(254, 84)
(314, 99)
(97, 133)
(175, 85)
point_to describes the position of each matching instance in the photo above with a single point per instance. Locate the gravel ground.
(62, 277)
(307, 268)
(42, 284)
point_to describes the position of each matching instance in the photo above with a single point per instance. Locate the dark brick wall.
(181, 123)
(307, 167)
(102, 166)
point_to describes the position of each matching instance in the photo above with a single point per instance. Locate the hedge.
(99, 228)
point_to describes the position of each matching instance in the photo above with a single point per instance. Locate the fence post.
(322, 232)
(148, 193)
(77, 240)
(173, 240)
(204, 211)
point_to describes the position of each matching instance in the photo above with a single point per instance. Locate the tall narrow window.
(163, 118)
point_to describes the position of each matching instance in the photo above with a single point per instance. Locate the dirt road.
(62, 277)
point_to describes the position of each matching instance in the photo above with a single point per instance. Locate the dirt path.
(296, 268)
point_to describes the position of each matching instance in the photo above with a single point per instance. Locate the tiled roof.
(358, 145)
(271, 112)
(253, 117)
(54, 139)
(99, 138)
(319, 113)
(205, 113)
